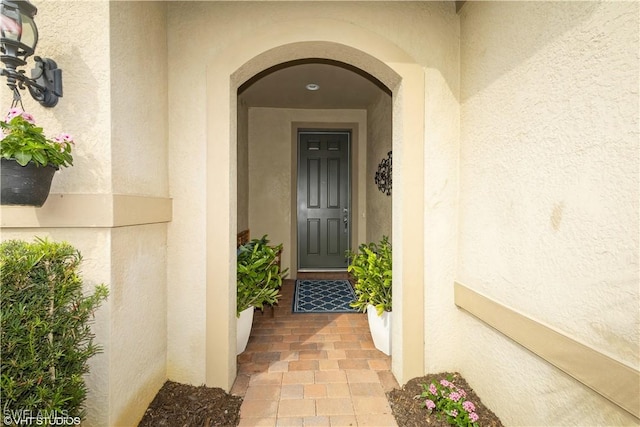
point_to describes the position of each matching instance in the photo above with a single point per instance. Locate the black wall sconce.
(18, 39)
(383, 175)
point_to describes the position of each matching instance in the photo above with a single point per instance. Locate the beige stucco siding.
(139, 107)
(138, 324)
(549, 194)
(379, 130)
(243, 167)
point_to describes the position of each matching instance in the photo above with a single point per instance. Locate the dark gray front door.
(323, 199)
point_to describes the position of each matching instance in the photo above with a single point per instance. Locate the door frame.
(349, 191)
(358, 150)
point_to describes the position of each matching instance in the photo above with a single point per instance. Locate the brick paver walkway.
(312, 370)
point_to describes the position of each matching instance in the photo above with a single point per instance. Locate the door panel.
(323, 199)
(313, 183)
(333, 183)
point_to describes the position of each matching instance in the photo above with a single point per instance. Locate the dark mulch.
(181, 405)
(408, 410)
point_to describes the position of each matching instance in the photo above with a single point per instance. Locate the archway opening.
(225, 75)
(271, 107)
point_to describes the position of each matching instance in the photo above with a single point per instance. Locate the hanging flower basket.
(29, 159)
(25, 185)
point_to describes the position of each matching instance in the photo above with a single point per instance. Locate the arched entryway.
(405, 79)
(274, 110)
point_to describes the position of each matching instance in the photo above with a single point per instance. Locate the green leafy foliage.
(46, 337)
(372, 269)
(25, 142)
(259, 277)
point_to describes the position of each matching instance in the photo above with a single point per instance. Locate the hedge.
(46, 339)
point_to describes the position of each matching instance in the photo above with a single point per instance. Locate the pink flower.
(64, 137)
(429, 404)
(432, 389)
(445, 383)
(29, 118)
(14, 112)
(455, 396)
(468, 406)
(473, 417)
(453, 413)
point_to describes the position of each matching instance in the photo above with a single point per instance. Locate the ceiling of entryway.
(284, 86)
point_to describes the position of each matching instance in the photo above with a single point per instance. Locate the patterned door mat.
(323, 296)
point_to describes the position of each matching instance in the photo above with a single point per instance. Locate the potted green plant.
(371, 267)
(259, 278)
(29, 159)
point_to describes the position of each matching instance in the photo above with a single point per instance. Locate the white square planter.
(244, 329)
(380, 327)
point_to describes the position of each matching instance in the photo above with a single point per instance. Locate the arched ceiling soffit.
(340, 86)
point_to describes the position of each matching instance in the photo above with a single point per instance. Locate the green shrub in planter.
(371, 267)
(259, 277)
(46, 338)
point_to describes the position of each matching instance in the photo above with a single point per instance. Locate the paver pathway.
(312, 370)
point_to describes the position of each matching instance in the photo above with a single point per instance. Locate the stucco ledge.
(89, 211)
(612, 379)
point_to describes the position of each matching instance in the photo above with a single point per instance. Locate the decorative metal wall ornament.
(383, 175)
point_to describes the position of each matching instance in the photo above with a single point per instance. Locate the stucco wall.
(379, 135)
(139, 119)
(270, 151)
(549, 195)
(243, 166)
(441, 168)
(186, 310)
(138, 321)
(139, 98)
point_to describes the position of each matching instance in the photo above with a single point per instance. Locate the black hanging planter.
(24, 185)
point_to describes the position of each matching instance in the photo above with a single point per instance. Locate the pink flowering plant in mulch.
(450, 402)
(25, 142)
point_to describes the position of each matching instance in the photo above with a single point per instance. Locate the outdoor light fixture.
(18, 39)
